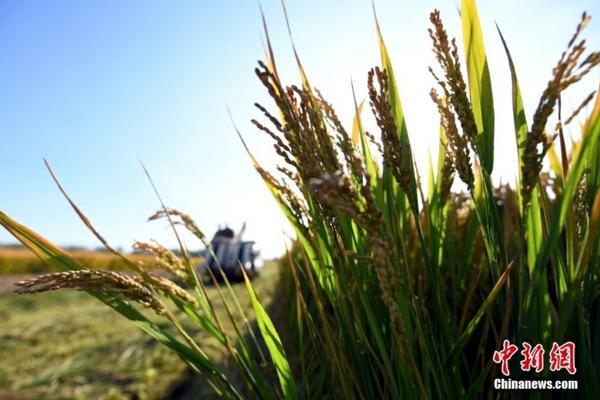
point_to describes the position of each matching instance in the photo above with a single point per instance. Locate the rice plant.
(404, 291)
(397, 290)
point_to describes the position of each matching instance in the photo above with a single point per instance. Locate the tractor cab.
(230, 253)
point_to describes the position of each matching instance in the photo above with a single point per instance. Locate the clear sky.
(96, 85)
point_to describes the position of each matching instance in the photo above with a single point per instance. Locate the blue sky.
(94, 86)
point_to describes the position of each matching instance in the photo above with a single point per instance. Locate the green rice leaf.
(359, 134)
(480, 85)
(519, 118)
(590, 142)
(394, 96)
(487, 304)
(273, 342)
(593, 180)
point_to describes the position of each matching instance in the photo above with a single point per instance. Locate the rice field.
(18, 260)
(68, 345)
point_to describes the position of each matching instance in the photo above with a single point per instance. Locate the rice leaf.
(394, 97)
(519, 118)
(480, 85)
(273, 342)
(487, 304)
(356, 124)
